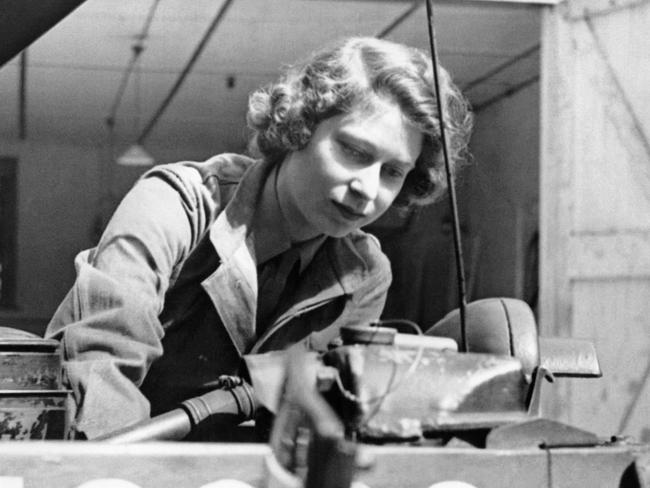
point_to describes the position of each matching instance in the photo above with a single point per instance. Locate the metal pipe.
(237, 405)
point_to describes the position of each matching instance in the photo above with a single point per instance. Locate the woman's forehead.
(384, 128)
(373, 104)
(377, 106)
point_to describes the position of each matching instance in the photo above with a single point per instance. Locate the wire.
(401, 18)
(410, 323)
(391, 385)
(506, 93)
(136, 51)
(392, 322)
(188, 67)
(498, 69)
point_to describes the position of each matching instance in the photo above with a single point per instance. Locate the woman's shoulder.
(214, 174)
(226, 167)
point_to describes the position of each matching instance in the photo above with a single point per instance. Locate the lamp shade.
(135, 155)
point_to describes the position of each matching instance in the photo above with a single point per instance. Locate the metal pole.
(460, 268)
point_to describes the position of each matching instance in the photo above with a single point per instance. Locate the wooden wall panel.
(614, 313)
(595, 206)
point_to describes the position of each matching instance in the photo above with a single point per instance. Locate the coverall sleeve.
(108, 322)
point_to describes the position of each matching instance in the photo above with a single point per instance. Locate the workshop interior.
(537, 342)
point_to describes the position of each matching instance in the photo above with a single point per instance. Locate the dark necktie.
(277, 279)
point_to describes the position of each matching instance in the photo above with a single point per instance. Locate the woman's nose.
(366, 182)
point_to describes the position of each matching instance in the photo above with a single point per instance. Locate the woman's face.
(350, 172)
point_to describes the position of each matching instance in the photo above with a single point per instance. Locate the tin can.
(33, 402)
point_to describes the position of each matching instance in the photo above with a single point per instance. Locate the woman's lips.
(348, 213)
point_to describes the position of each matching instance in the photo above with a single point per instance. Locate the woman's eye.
(393, 171)
(353, 152)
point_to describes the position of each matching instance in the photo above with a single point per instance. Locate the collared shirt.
(182, 323)
(279, 261)
(270, 230)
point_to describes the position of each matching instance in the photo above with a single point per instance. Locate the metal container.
(33, 402)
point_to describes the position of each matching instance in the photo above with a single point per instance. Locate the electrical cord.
(392, 385)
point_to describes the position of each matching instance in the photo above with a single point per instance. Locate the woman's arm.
(108, 323)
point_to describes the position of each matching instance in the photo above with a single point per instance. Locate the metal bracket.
(543, 433)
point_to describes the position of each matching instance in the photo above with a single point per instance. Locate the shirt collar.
(270, 230)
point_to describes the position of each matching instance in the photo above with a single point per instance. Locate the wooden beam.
(528, 2)
(621, 255)
(50, 464)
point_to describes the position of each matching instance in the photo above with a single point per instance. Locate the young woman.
(205, 262)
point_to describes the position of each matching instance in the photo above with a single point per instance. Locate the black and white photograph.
(324, 243)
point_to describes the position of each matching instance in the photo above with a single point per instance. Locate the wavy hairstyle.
(284, 115)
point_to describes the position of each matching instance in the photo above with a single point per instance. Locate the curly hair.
(338, 79)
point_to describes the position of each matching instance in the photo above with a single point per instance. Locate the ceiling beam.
(538, 2)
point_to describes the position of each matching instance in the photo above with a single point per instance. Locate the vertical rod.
(460, 269)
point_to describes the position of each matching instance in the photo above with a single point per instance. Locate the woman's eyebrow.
(352, 138)
(369, 147)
